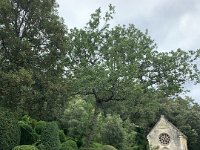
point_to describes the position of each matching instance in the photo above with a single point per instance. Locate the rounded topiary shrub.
(25, 147)
(69, 145)
(50, 136)
(39, 126)
(9, 130)
(108, 147)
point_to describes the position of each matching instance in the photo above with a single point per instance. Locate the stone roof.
(173, 126)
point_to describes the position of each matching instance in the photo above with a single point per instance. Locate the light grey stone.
(165, 136)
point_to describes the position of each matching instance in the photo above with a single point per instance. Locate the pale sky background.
(171, 23)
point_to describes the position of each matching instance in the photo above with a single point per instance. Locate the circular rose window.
(164, 138)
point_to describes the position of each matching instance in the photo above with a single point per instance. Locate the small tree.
(112, 131)
(76, 117)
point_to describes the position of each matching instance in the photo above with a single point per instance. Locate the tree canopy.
(122, 63)
(33, 45)
(110, 78)
(113, 62)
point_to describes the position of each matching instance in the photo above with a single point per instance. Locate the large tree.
(32, 46)
(121, 63)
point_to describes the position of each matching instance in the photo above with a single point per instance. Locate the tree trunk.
(92, 124)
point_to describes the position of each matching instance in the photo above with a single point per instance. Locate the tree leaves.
(33, 38)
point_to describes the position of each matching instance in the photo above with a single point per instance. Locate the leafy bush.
(112, 131)
(29, 121)
(140, 139)
(130, 135)
(76, 117)
(50, 136)
(69, 145)
(41, 147)
(62, 136)
(108, 147)
(9, 130)
(39, 126)
(25, 147)
(95, 145)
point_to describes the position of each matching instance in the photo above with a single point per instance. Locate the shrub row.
(9, 130)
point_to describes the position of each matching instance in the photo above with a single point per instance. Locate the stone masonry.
(165, 136)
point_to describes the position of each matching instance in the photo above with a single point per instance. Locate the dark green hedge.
(50, 136)
(9, 130)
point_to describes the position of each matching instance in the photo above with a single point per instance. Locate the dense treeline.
(97, 87)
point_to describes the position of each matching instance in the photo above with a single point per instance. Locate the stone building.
(165, 136)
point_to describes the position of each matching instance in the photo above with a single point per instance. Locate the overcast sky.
(171, 23)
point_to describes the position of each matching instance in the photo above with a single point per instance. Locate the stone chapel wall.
(165, 136)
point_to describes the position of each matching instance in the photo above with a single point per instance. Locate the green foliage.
(25, 147)
(41, 147)
(29, 121)
(50, 136)
(16, 89)
(130, 135)
(122, 63)
(69, 145)
(62, 136)
(108, 147)
(76, 117)
(112, 131)
(39, 126)
(28, 135)
(31, 58)
(9, 130)
(141, 142)
(95, 145)
(116, 70)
